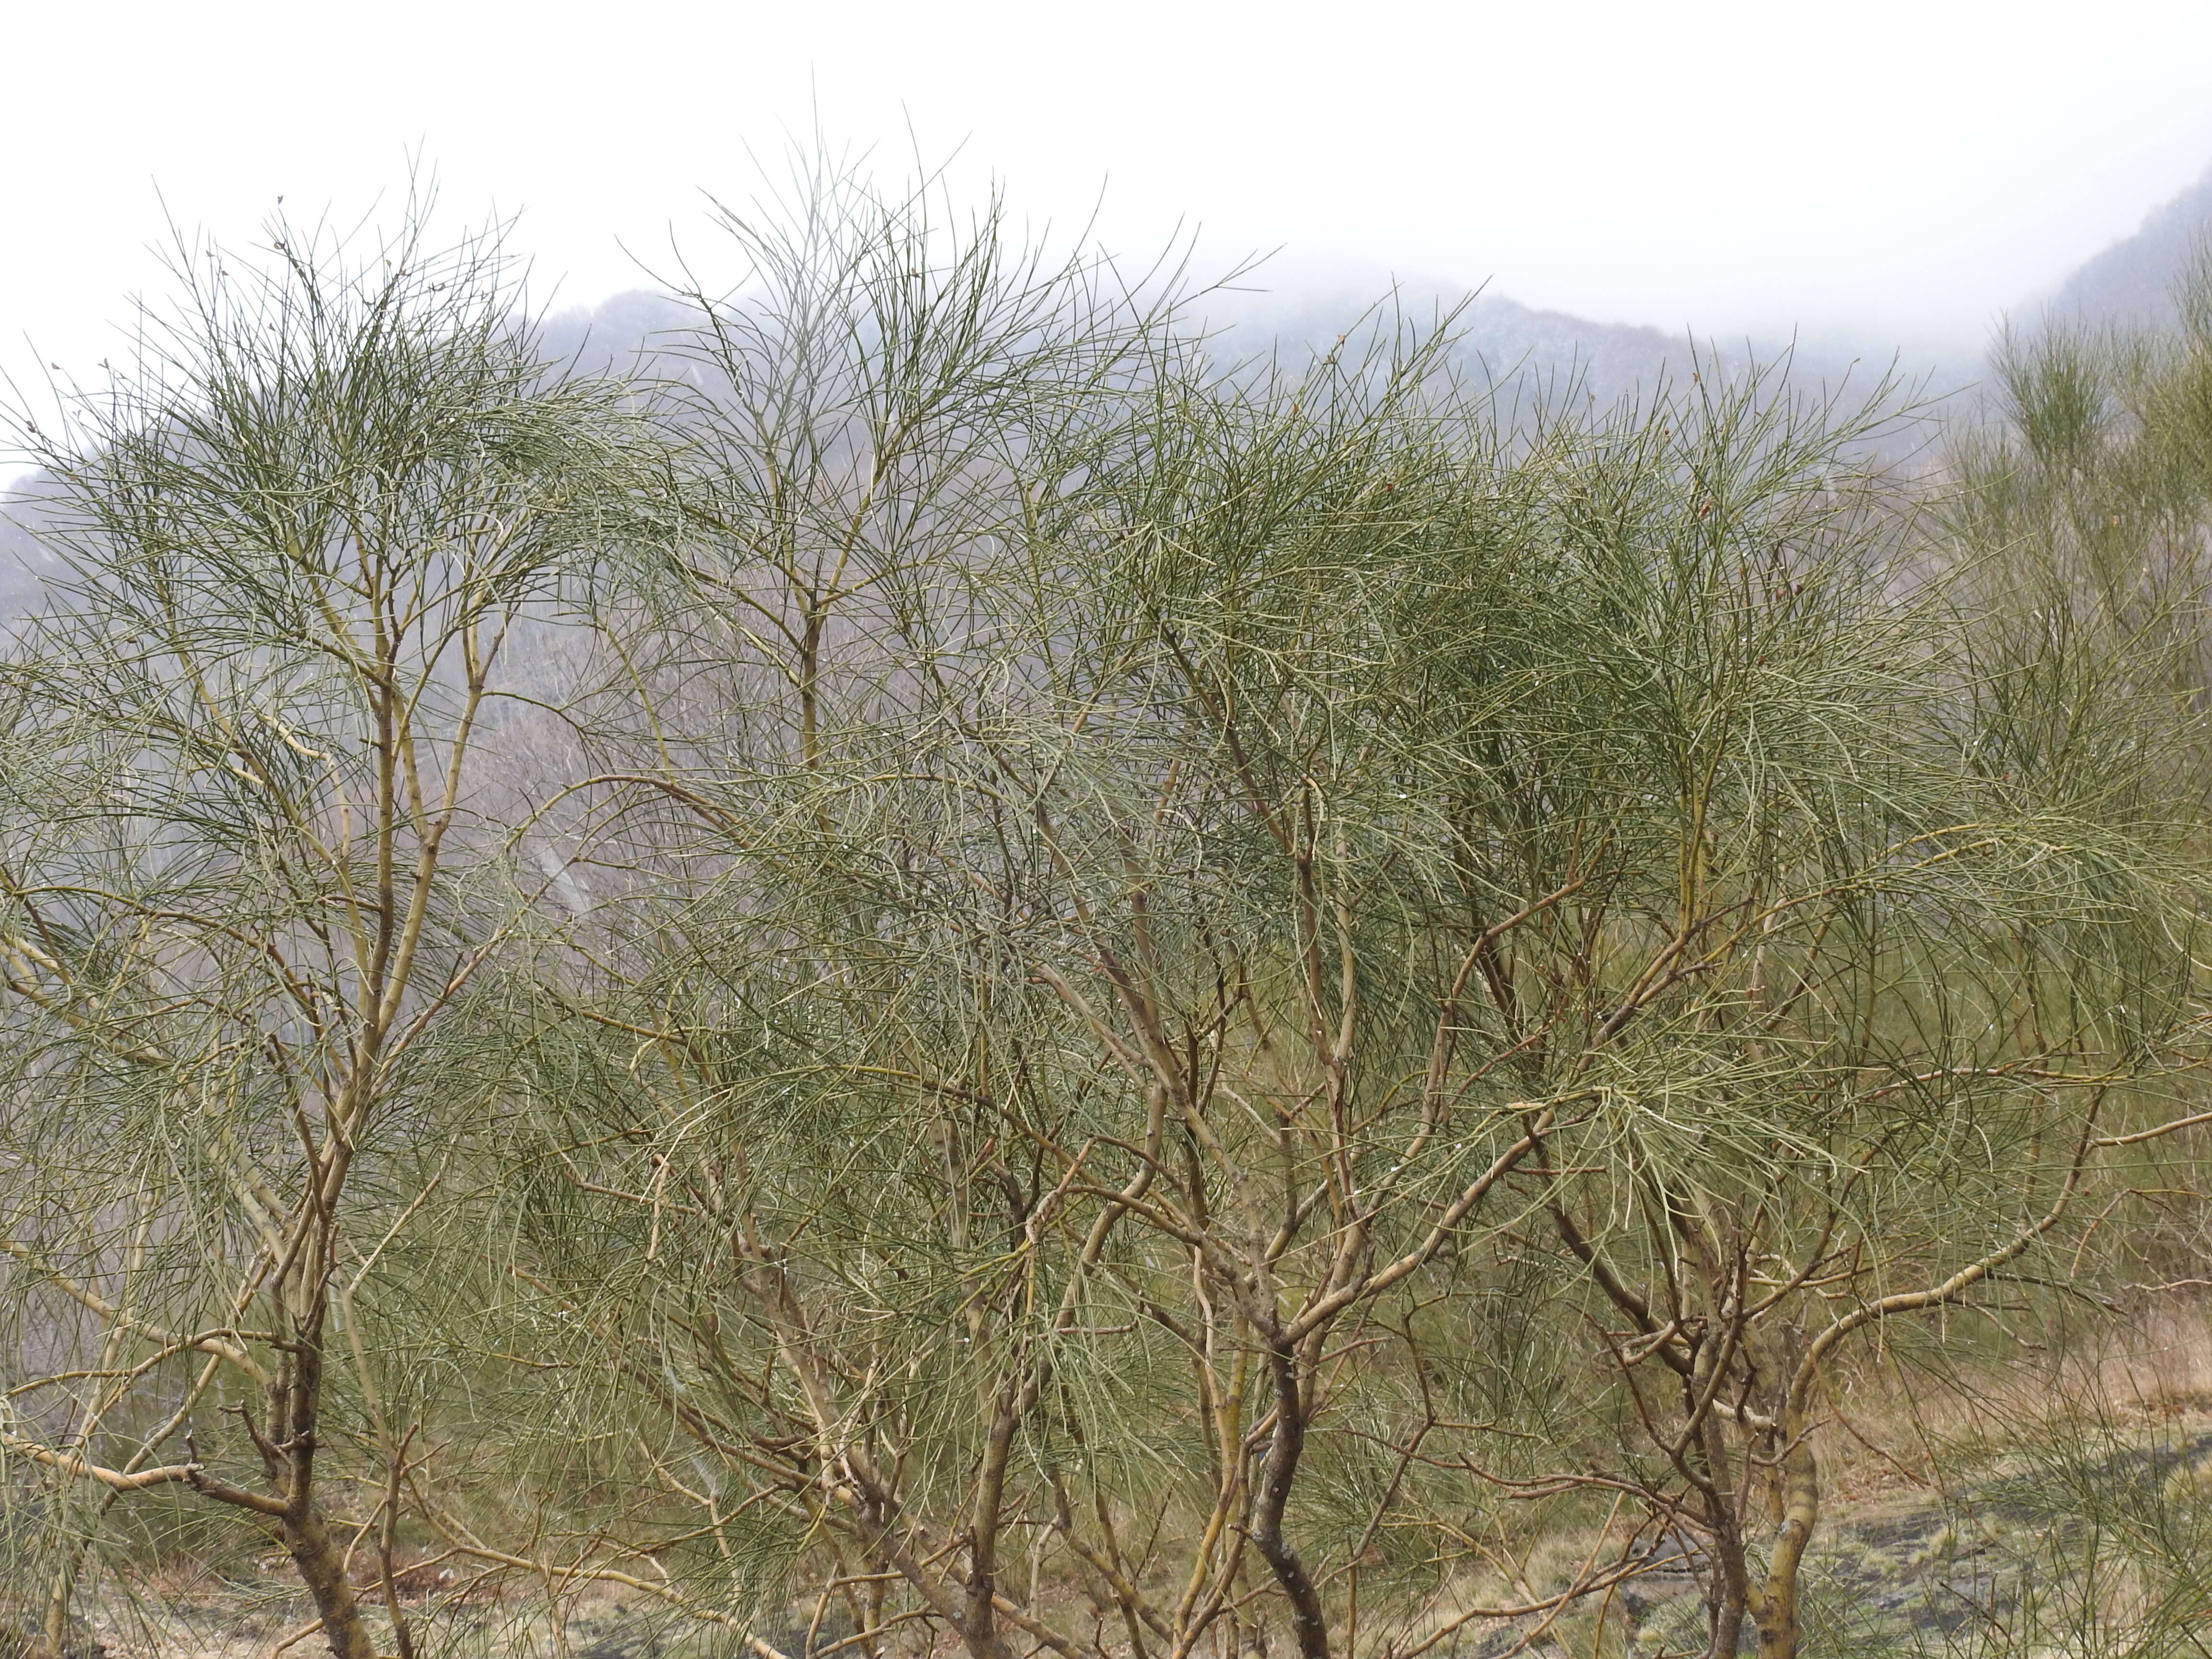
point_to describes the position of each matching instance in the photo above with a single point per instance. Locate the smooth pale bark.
(1775, 1608)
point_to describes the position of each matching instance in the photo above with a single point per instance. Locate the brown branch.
(115, 1479)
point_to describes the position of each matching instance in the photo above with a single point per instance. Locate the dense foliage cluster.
(954, 976)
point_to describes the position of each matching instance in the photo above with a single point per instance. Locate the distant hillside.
(1499, 339)
(23, 562)
(1547, 354)
(2131, 281)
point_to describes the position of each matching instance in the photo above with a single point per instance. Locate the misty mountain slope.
(1543, 355)
(615, 335)
(2131, 281)
(1607, 359)
(1528, 355)
(23, 562)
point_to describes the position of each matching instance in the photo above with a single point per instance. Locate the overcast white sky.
(1883, 172)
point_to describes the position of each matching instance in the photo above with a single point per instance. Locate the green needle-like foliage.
(1255, 992)
(245, 908)
(1151, 1006)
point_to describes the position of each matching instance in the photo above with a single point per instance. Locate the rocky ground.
(2101, 1546)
